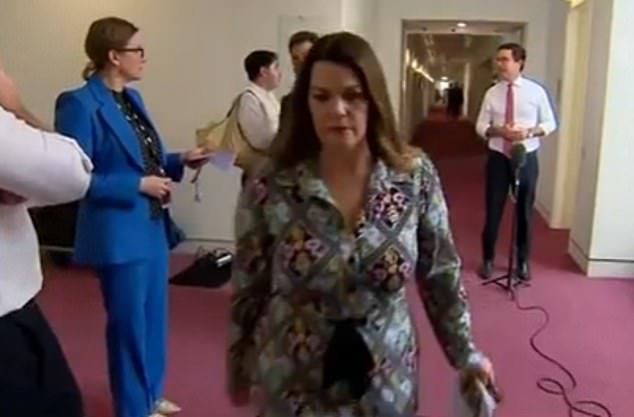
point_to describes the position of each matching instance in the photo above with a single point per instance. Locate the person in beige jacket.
(258, 108)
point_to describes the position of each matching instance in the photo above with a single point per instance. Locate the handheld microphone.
(518, 159)
(518, 156)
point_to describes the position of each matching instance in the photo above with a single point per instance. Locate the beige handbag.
(226, 135)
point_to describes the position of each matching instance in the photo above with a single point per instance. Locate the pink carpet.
(590, 330)
(443, 137)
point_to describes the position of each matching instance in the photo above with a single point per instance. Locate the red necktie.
(509, 115)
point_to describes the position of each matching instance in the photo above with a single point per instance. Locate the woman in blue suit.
(121, 226)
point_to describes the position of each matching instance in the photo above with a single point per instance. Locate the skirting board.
(597, 268)
(543, 212)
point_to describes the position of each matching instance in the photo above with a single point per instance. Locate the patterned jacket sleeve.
(438, 272)
(250, 280)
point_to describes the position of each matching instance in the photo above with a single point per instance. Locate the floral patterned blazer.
(296, 270)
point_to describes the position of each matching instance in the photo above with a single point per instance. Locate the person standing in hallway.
(258, 108)
(122, 223)
(298, 47)
(455, 101)
(37, 168)
(515, 110)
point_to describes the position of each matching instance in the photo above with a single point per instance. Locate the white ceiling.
(451, 27)
(438, 48)
(442, 47)
(445, 54)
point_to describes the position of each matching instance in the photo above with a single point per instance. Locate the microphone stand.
(510, 281)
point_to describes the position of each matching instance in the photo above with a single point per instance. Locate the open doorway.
(447, 67)
(570, 154)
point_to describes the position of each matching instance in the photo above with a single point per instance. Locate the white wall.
(602, 234)
(614, 227)
(582, 228)
(481, 61)
(195, 50)
(571, 109)
(359, 16)
(557, 15)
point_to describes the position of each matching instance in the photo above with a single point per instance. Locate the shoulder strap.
(235, 103)
(235, 106)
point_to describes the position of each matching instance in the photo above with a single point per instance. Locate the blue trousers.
(135, 298)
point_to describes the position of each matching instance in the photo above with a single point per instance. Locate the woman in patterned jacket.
(326, 240)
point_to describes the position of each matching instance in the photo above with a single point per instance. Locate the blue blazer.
(114, 224)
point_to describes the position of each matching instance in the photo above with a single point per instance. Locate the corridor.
(585, 332)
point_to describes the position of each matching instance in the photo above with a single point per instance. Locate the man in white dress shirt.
(259, 109)
(37, 168)
(515, 110)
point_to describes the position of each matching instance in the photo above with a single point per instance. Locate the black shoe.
(522, 271)
(486, 270)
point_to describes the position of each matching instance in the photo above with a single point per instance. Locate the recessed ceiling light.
(461, 25)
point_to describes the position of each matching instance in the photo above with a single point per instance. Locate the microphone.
(518, 156)
(518, 159)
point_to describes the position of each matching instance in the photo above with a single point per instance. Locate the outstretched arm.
(36, 165)
(43, 167)
(438, 273)
(251, 281)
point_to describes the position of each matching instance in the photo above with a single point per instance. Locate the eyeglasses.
(140, 51)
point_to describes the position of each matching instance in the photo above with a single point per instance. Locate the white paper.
(223, 160)
(461, 409)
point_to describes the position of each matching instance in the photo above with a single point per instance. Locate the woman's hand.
(155, 186)
(479, 371)
(9, 97)
(196, 158)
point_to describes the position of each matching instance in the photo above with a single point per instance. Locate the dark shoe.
(486, 270)
(523, 272)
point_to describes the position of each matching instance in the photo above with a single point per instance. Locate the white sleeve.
(485, 117)
(256, 126)
(547, 121)
(45, 168)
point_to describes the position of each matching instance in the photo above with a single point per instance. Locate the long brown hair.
(105, 35)
(298, 141)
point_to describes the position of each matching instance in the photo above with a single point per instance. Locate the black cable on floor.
(554, 387)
